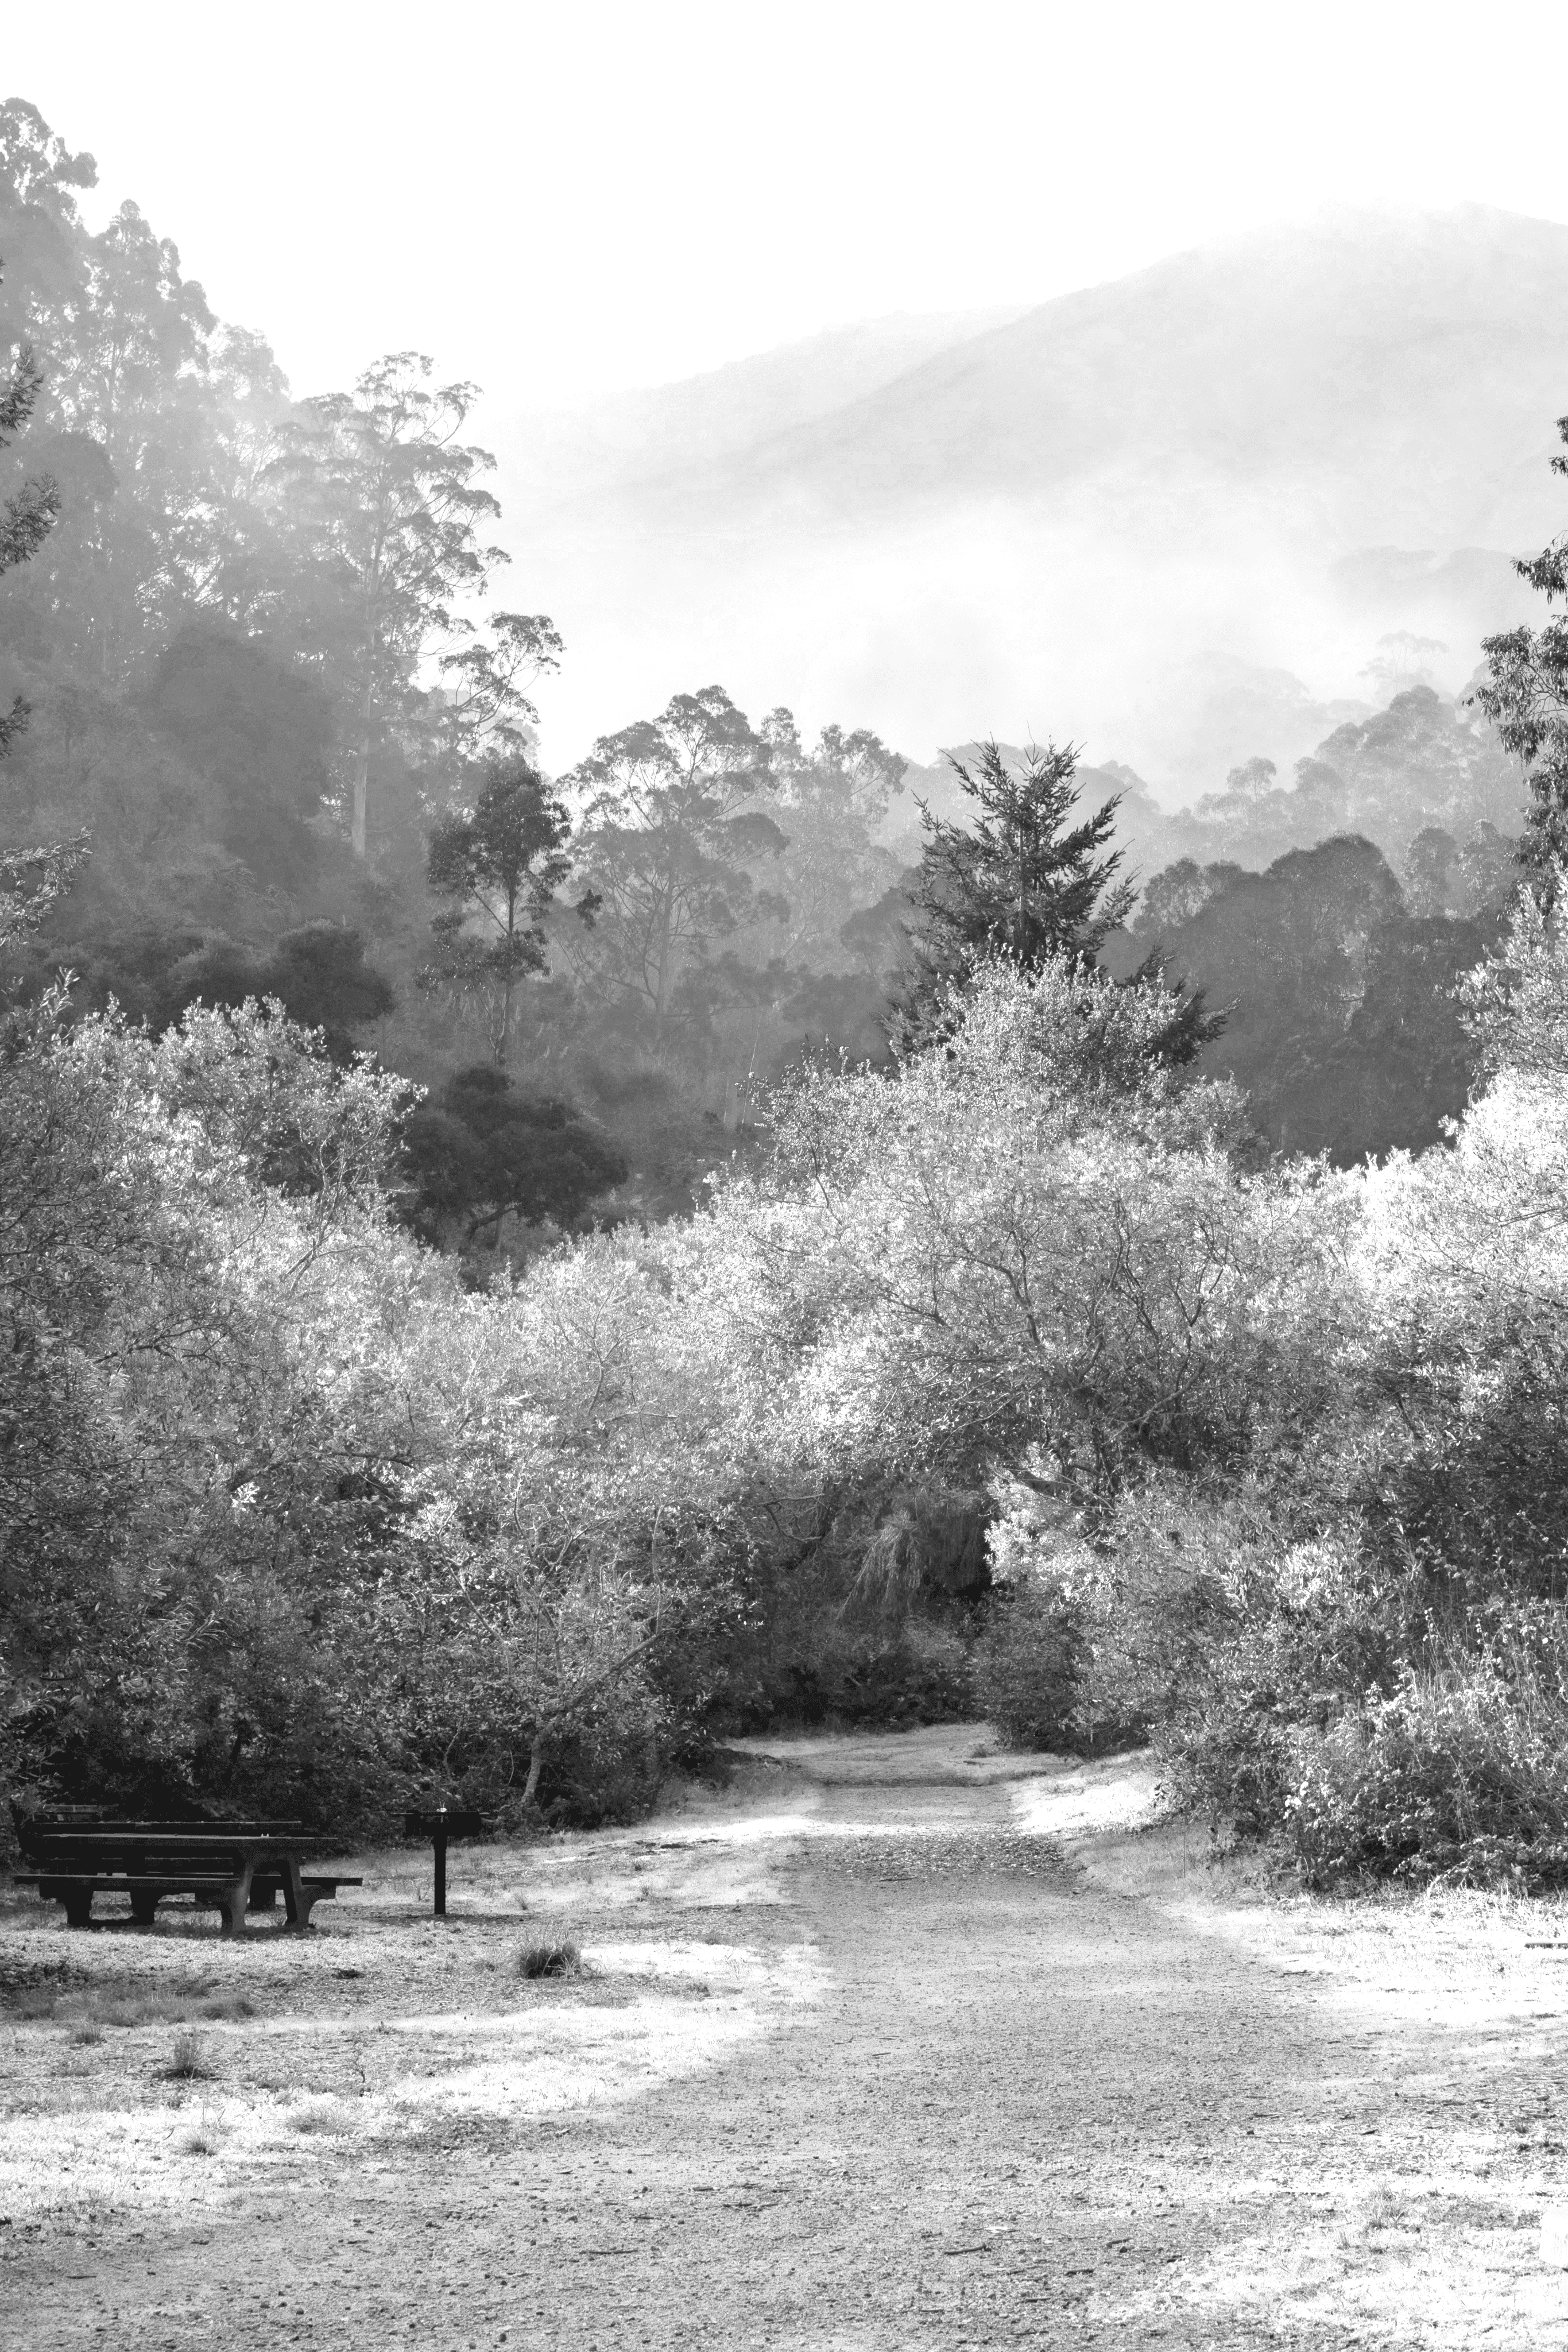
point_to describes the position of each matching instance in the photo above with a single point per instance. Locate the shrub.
(1158, 1596)
(1460, 1774)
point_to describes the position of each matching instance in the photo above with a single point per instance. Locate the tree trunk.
(362, 776)
(536, 1765)
(509, 981)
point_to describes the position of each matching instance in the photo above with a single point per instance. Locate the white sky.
(559, 200)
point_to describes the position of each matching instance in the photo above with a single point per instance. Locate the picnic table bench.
(240, 1865)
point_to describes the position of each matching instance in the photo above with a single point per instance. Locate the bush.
(1459, 1775)
(549, 1961)
(1029, 1666)
(1291, 1632)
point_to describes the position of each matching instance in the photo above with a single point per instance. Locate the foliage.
(1457, 1774)
(484, 1152)
(1029, 1666)
(1034, 1234)
(1344, 1025)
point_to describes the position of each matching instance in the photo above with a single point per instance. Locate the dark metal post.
(441, 1862)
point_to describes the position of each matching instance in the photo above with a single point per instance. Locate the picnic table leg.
(294, 1896)
(77, 1901)
(144, 1907)
(233, 1900)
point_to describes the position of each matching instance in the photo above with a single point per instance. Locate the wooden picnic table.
(239, 1866)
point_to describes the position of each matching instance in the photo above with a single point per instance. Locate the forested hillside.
(510, 1276)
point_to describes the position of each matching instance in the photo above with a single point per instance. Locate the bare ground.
(883, 2048)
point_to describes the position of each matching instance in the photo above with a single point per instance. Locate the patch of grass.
(199, 2143)
(330, 2119)
(186, 2064)
(123, 2003)
(550, 1960)
(86, 2033)
(32, 2007)
(23, 1981)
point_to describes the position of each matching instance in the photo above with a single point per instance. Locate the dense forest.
(510, 1276)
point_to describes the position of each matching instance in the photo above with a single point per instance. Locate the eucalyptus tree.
(832, 797)
(674, 828)
(27, 515)
(500, 862)
(384, 505)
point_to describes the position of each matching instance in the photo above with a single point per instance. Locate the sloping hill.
(1171, 516)
(1387, 380)
(551, 461)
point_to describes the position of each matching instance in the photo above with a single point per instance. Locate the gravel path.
(1022, 2107)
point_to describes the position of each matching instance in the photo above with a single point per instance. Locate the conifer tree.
(1026, 882)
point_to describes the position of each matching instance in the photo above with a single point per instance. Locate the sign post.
(445, 1822)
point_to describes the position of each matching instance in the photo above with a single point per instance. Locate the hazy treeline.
(270, 649)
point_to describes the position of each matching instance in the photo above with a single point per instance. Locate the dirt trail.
(1026, 2092)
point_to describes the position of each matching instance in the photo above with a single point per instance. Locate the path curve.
(1025, 2108)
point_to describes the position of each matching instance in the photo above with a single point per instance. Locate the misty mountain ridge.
(1170, 517)
(561, 456)
(1361, 340)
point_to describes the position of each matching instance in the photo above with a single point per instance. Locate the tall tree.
(502, 862)
(673, 829)
(384, 506)
(151, 420)
(1526, 699)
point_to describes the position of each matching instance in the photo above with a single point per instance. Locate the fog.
(1171, 518)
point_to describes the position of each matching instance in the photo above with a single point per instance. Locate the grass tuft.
(550, 1960)
(185, 2061)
